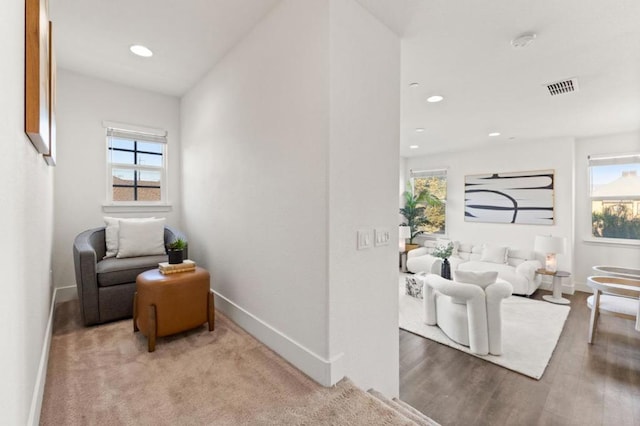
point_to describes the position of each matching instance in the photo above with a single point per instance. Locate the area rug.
(103, 375)
(530, 331)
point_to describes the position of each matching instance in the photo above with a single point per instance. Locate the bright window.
(435, 183)
(615, 196)
(136, 167)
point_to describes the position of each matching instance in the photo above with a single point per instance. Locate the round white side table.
(557, 286)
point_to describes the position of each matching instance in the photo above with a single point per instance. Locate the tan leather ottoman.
(169, 304)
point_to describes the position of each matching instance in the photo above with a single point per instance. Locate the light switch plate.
(382, 236)
(365, 239)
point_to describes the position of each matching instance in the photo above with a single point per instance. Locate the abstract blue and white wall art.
(522, 197)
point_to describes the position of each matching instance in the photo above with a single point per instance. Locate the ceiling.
(459, 49)
(187, 37)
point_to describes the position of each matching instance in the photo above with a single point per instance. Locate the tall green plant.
(414, 209)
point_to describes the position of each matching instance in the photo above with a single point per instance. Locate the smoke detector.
(563, 86)
(523, 40)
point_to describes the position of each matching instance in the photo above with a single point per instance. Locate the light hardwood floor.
(583, 384)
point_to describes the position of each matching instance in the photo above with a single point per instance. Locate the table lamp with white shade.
(550, 246)
(404, 232)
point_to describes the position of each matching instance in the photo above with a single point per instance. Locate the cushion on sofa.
(114, 271)
(464, 250)
(429, 245)
(517, 256)
(465, 247)
(476, 252)
(494, 254)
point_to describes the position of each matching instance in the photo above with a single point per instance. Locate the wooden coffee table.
(169, 304)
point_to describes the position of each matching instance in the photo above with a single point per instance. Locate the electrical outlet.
(364, 239)
(382, 236)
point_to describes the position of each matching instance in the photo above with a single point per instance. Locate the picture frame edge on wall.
(50, 156)
(36, 80)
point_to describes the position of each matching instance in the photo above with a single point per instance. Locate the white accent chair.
(468, 313)
(615, 296)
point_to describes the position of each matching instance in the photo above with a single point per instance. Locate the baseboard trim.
(60, 294)
(64, 294)
(327, 372)
(38, 389)
(583, 287)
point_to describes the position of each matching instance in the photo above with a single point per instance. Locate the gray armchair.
(106, 286)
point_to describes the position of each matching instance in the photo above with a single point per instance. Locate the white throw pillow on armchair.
(481, 279)
(141, 238)
(112, 227)
(111, 235)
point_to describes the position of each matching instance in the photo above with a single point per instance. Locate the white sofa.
(470, 314)
(517, 267)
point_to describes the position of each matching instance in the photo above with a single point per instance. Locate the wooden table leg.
(135, 311)
(593, 322)
(211, 313)
(152, 328)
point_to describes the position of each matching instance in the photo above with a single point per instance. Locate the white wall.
(254, 135)
(554, 154)
(363, 168)
(80, 182)
(26, 191)
(262, 157)
(589, 253)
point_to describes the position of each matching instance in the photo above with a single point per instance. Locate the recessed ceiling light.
(494, 134)
(413, 147)
(523, 40)
(141, 50)
(435, 98)
(419, 129)
(414, 84)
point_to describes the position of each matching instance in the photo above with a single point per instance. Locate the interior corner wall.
(26, 196)
(255, 134)
(556, 154)
(589, 253)
(363, 195)
(83, 103)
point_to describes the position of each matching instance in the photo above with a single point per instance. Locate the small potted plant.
(444, 253)
(175, 250)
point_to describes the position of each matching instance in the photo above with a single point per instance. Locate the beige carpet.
(104, 376)
(530, 331)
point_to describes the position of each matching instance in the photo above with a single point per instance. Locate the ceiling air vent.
(562, 87)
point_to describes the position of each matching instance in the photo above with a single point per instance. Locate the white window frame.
(603, 160)
(413, 174)
(140, 134)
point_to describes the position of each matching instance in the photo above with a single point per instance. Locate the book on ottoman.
(185, 266)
